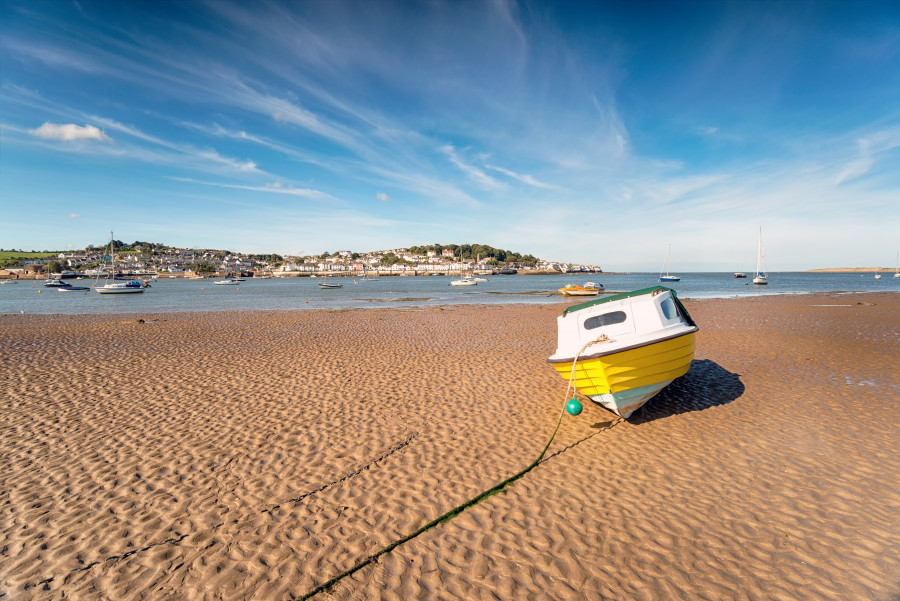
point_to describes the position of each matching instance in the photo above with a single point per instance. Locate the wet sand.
(256, 455)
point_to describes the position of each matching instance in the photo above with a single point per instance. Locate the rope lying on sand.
(438, 520)
(180, 537)
(497, 488)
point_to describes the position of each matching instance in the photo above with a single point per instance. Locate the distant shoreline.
(346, 274)
(850, 270)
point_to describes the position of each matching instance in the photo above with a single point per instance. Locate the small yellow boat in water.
(625, 348)
(589, 289)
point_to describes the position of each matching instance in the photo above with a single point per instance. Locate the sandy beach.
(255, 455)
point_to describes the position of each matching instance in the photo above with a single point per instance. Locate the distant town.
(144, 258)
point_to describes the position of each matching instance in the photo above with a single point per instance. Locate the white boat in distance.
(668, 277)
(467, 279)
(114, 287)
(233, 280)
(118, 288)
(464, 281)
(324, 283)
(761, 278)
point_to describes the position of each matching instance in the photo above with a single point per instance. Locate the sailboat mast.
(759, 253)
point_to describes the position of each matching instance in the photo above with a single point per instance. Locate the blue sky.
(596, 132)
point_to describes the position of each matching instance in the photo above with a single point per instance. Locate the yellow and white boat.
(589, 289)
(625, 348)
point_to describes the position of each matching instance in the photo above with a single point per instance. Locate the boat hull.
(623, 381)
(118, 290)
(576, 290)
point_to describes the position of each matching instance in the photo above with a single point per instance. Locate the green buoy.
(574, 407)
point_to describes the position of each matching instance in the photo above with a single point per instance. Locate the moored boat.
(327, 285)
(132, 287)
(622, 350)
(740, 275)
(589, 289)
(761, 278)
(114, 286)
(668, 277)
(464, 281)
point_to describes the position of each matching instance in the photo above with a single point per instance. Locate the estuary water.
(175, 295)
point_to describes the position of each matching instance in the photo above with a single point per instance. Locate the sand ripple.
(256, 455)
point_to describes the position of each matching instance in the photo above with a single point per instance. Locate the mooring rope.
(178, 538)
(446, 517)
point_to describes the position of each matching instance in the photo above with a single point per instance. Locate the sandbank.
(255, 455)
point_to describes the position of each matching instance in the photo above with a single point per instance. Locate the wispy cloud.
(476, 111)
(69, 132)
(66, 59)
(868, 150)
(217, 130)
(524, 178)
(272, 188)
(474, 173)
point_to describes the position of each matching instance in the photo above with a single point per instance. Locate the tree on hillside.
(391, 259)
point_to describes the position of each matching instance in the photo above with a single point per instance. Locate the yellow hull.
(653, 363)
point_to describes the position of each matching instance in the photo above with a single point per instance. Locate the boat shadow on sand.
(706, 385)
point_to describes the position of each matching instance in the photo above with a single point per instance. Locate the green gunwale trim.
(623, 295)
(614, 297)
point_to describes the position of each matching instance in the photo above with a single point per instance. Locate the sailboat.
(897, 273)
(365, 277)
(667, 277)
(761, 278)
(233, 280)
(324, 283)
(114, 287)
(465, 280)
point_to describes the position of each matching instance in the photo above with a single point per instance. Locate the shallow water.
(175, 295)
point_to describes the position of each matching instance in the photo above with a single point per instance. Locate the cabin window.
(668, 309)
(607, 319)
